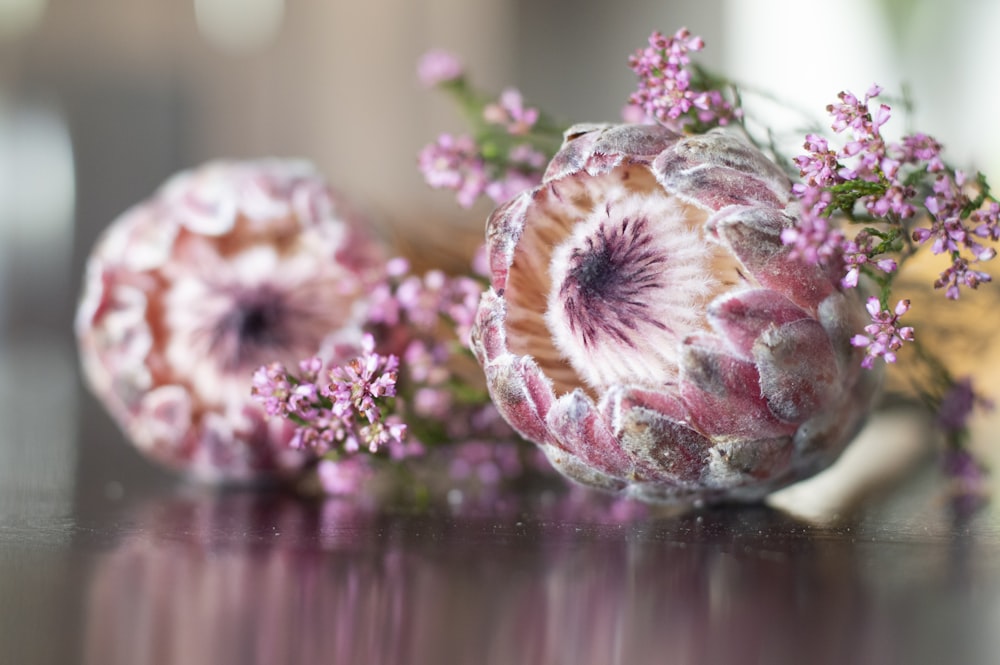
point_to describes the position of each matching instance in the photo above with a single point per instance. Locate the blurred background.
(102, 100)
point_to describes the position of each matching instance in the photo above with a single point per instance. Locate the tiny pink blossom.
(960, 274)
(813, 239)
(511, 112)
(328, 410)
(438, 66)
(884, 336)
(858, 253)
(454, 163)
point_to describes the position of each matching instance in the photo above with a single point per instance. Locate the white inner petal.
(628, 285)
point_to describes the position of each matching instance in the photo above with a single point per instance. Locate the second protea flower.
(227, 267)
(649, 330)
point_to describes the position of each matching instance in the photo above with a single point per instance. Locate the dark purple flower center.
(603, 293)
(252, 328)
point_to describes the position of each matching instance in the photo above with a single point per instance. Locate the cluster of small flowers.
(435, 312)
(668, 90)
(950, 206)
(425, 320)
(884, 336)
(343, 408)
(502, 159)
(454, 162)
(887, 180)
(420, 303)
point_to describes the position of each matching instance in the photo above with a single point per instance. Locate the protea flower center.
(251, 330)
(622, 281)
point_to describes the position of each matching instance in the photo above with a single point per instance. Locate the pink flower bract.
(649, 330)
(226, 268)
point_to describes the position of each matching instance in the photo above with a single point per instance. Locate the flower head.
(438, 66)
(667, 91)
(342, 408)
(453, 162)
(884, 335)
(511, 112)
(225, 268)
(649, 330)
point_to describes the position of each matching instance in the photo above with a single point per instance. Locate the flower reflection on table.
(267, 578)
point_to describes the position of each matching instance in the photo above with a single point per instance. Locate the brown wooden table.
(105, 560)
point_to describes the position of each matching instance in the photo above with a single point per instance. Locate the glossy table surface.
(107, 560)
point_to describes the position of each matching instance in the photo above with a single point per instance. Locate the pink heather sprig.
(455, 163)
(400, 404)
(421, 304)
(872, 181)
(673, 92)
(507, 148)
(906, 197)
(953, 401)
(342, 409)
(437, 67)
(510, 113)
(427, 319)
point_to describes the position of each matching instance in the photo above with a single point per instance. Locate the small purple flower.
(917, 148)
(857, 254)
(438, 66)
(454, 163)
(814, 239)
(270, 384)
(511, 112)
(895, 200)
(819, 167)
(987, 221)
(884, 336)
(959, 274)
(853, 113)
(347, 408)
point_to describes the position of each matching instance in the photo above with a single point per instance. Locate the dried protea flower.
(227, 267)
(648, 329)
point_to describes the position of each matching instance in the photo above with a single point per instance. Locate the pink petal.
(719, 169)
(503, 230)
(659, 441)
(577, 426)
(724, 396)
(798, 369)
(743, 316)
(523, 403)
(597, 149)
(754, 234)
